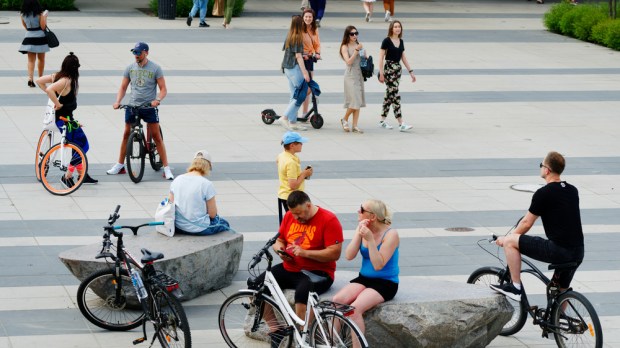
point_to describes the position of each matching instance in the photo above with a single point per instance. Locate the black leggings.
(282, 206)
(299, 282)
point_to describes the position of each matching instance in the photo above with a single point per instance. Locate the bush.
(555, 14)
(612, 37)
(52, 5)
(599, 31)
(590, 16)
(570, 18)
(184, 6)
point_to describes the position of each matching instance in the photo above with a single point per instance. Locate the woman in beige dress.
(350, 51)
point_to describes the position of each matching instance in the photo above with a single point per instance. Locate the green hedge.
(586, 22)
(52, 5)
(184, 6)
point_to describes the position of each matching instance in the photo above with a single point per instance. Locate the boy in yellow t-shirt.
(289, 169)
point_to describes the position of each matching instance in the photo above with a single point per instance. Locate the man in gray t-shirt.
(144, 76)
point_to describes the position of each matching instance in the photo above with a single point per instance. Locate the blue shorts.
(149, 115)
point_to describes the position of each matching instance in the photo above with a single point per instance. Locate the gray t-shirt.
(143, 82)
(290, 60)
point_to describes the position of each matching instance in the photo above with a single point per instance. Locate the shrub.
(555, 14)
(612, 37)
(600, 30)
(184, 6)
(590, 16)
(570, 18)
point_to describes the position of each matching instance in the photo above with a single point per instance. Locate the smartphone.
(308, 167)
(282, 252)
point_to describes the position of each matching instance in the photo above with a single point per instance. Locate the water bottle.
(138, 284)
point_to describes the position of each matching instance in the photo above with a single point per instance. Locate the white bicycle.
(261, 316)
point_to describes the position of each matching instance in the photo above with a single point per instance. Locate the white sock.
(517, 285)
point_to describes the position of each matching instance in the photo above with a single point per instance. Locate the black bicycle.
(139, 145)
(131, 293)
(568, 315)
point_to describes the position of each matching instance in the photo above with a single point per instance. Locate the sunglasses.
(354, 33)
(362, 210)
(542, 165)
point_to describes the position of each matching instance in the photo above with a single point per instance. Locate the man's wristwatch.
(159, 100)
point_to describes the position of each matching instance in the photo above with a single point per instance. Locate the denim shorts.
(544, 250)
(148, 115)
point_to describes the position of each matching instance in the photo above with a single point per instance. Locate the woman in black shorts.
(378, 243)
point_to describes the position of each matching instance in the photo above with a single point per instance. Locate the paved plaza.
(495, 93)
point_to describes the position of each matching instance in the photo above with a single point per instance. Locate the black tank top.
(69, 103)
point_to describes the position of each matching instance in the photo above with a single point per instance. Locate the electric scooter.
(316, 120)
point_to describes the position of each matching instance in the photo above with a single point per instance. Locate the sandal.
(345, 125)
(357, 130)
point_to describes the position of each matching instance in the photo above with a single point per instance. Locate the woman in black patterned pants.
(392, 52)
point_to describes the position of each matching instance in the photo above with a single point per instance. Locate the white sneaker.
(168, 173)
(404, 127)
(284, 122)
(385, 125)
(118, 168)
(298, 127)
(388, 16)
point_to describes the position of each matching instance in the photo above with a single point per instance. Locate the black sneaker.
(204, 25)
(67, 183)
(89, 180)
(509, 290)
(189, 21)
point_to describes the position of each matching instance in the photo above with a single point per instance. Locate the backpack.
(368, 67)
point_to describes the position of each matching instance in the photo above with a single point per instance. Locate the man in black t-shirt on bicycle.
(557, 203)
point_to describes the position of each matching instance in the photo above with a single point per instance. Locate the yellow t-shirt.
(289, 167)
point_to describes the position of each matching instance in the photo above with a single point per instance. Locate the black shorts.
(309, 64)
(386, 288)
(544, 250)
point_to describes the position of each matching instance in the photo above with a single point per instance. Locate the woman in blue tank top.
(378, 243)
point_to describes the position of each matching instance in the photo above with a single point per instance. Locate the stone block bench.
(201, 264)
(431, 313)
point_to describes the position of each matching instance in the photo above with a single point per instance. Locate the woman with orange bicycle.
(62, 91)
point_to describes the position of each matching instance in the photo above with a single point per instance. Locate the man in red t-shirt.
(310, 239)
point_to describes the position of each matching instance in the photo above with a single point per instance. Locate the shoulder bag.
(52, 40)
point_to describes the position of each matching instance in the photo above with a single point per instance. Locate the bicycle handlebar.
(109, 229)
(264, 250)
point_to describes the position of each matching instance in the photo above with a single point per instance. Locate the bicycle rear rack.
(335, 306)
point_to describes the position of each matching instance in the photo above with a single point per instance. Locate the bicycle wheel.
(99, 302)
(62, 169)
(245, 320)
(493, 275)
(577, 321)
(44, 144)
(154, 157)
(171, 325)
(135, 157)
(336, 330)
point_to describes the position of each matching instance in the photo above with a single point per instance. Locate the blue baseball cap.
(139, 48)
(292, 137)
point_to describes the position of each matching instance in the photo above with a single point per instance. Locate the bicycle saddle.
(313, 277)
(150, 256)
(564, 266)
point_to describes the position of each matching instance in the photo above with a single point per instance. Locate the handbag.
(165, 212)
(49, 117)
(218, 8)
(52, 40)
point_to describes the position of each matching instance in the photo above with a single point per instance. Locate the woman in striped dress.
(34, 20)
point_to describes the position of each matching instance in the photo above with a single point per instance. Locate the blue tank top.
(389, 271)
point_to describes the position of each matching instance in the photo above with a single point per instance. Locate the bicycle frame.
(289, 313)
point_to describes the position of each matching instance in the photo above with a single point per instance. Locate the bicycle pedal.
(139, 340)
